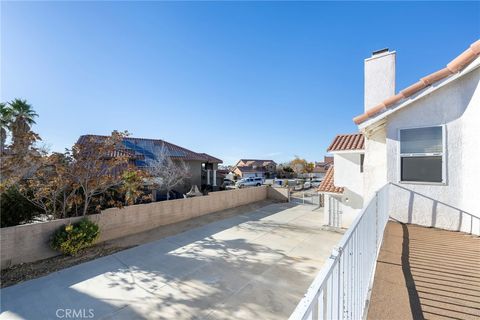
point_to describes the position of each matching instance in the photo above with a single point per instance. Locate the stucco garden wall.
(278, 194)
(26, 243)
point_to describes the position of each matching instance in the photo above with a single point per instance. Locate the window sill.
(424, 183)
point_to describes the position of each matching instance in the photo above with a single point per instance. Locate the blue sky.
(235, 80)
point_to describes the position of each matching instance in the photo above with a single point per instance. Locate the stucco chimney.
(379, 77)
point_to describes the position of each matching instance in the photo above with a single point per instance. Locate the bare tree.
(298, 165)
(98, 163)
(167, 174)
(49, 187)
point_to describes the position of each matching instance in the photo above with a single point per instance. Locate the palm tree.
(23, 115)
(5, 123)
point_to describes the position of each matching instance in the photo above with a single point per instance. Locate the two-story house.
(246, 168)
(202, 167)
(422, 141)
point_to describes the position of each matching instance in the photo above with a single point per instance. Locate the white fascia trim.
(424, 92)
(331, 193)
(348, 151)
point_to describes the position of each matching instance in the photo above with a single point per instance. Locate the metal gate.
(334, 212)
(308, 198)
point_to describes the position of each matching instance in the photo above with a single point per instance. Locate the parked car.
(227, 184)
(316, 183)
(249, 182)
(307, 185)
(298, 187)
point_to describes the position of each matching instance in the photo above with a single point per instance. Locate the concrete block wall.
(278, 194)
(27, 243)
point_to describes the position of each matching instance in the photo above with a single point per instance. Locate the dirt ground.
(32, 270)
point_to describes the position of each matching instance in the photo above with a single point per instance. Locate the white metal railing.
(342, 288)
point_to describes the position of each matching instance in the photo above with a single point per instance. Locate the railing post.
(376, 221)
(343, 286)
(325, 302)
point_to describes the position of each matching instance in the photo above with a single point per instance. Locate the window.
(422, 154)
(362, 159)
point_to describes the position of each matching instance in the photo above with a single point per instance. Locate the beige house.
(255, 168)
(321, 168)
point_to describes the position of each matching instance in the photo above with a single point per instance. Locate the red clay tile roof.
(347, 142)
(328, 184)
(256, 162)
(454, 66)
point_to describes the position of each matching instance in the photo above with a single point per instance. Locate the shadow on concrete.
(181, 276)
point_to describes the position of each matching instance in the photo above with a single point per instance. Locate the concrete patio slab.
(257, 264)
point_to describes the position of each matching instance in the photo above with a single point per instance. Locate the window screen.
(428, 169)
(421, 140)
(421, 154)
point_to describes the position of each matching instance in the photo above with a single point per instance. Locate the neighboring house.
(203, 167)
(343, 186)
(424, 141)
(246, 168)
(321, 168)
(222, 174)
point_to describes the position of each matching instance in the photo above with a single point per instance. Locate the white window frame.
(443, 154)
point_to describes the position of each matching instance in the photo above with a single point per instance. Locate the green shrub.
(72, 238)
(15, 209)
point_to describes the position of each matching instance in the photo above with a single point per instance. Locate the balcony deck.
(426, 273)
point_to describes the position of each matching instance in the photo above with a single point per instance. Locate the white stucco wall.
(326, 207)
(451, 205)
(347, 214)
(379, 79)
(375, 164)
(347, 175)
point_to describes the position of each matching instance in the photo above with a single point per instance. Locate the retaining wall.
(27, 243)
